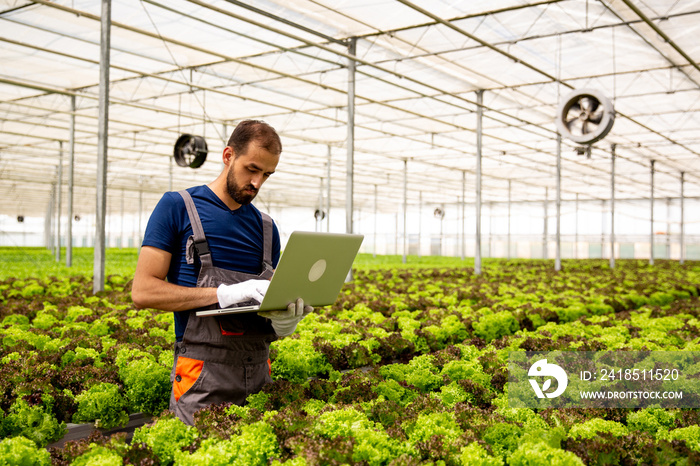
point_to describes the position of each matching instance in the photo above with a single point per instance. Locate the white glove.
(285, 322)
(242, 292)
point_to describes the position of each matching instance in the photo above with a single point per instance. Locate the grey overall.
(223, 358)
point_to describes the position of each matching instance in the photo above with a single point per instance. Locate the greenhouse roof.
(199, 67)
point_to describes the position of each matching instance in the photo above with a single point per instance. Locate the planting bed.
(409, 366)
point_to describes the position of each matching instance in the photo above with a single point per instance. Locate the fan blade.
(574, 126)
(596, 116)
(589, 104)
(589, 127)
(583, 103)
(574, 111)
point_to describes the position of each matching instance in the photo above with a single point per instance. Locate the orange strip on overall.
(269, 365)
(227, 333)
(187, 371)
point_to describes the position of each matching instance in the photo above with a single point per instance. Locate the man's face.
(248, 171)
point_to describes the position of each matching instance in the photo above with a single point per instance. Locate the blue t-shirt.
(235, 238)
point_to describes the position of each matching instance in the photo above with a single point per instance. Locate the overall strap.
(200, 241)
(267, 244)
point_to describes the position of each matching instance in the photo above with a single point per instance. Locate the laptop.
(313, 267)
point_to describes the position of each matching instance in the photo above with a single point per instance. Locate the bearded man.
(208, 247)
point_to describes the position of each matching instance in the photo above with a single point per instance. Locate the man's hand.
(229, 295)
(285, 322)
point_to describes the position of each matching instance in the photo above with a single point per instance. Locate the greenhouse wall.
(585, 230)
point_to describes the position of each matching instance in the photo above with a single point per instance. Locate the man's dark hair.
(254, 130)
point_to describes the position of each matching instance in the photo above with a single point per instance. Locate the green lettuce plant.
(33, 422)
(166, 437)
(22, 451)
(102, 404)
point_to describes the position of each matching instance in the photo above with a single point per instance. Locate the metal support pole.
(420, 220)
(441, 234)
(71, 165)
(48, 221)
(576, 230)
(612, 206)
(396, 233)
(508, 236)
(374, 253)
(545, 254)
(557, 257)
(321, 210)
(682, 258)
(59, 200)
(479, 118)
(405, 208)
(603, 227)
(668, 228)
(489, 252)
(349, 163)
(651, 223)
(328, 192)
(121, 223)
(98, 283)
(140, 237)
(352, 45)
(464, 214)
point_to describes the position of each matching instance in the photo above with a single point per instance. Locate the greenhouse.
(525, 174)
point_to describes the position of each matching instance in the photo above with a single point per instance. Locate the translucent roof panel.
(420, 68)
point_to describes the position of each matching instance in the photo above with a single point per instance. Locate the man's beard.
(237, 193)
